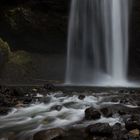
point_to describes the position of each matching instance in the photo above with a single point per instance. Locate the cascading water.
(98, 42)
(23, 123)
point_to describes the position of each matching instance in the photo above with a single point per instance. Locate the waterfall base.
(68, 111)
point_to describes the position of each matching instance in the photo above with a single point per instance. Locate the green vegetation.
(4, 53)
(20, 64)
(14, 65)
(20, 58)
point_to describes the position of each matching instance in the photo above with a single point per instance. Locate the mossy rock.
(20, 58)
(4, 52)
(21, 61)
(19, 66)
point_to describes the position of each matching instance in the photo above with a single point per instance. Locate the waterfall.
(98, 42)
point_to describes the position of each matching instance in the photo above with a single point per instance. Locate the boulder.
(27, 100)
(49, 86)
(138, 103)
(134, 133)
(74, 134)
(118, 132)
(56, 107)
(8, 136)
(19, 104)
(100, 138)
(4, 110)
(49, 134)
(106, 112)
(99, 129)
(18, 92)
(92, 114)
(81, 97)
(117, 127)
(131, 124)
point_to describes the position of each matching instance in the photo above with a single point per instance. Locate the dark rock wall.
(134, 35)
(35, 25)
(40, 26)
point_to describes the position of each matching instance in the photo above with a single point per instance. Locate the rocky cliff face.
(134, 35)
(35, 25)
(41, 26)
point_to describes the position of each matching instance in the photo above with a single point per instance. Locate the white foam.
(40, 116)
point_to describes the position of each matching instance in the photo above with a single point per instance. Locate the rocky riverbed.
(51, 113)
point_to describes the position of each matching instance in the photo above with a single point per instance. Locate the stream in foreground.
(57, 115)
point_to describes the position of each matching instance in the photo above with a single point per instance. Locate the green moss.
(20, 58)
(20, 63)
(14, 65)
(4, 52)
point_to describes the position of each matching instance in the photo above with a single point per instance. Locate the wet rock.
(126, 137)
(134, 133)
(122, 109)
(4, 110)
(11, 136)
(34, 90)
(124, 101)
(13, 92)
(138, 103)
(123, 91)
(92, 114)
(135, 117)
(0, 87)
(132, 91)
(8, 102)
(50, 134)
(49, 86)
(56, 107)
(128, 100)
(106, 112)
(117, 131)
(45, 100)
(131, 124)
(48, 119)
(74, 134)
(19, 104)
(116, 127)
(18, 92)
(99, 129)
(27, 100)
(8, 136)
(114, 100)
(81, 97)
(45, 121)
(100, 138)
(122, 112)
(6, 91)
